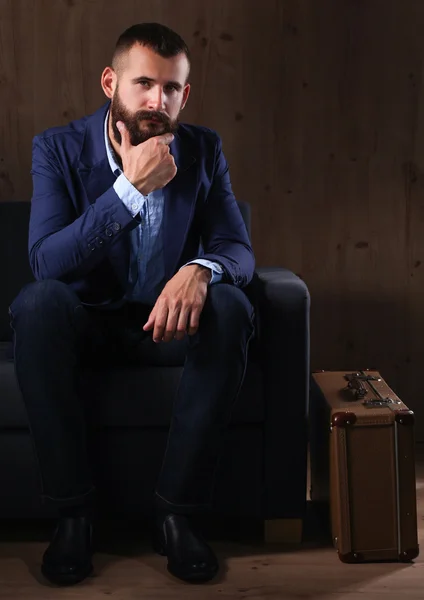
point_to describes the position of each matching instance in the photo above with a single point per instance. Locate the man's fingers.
(182, 324)
(165, 138)
(125, 136)
(160, 323)
(194, 321)
(171, 324)
(150, 321)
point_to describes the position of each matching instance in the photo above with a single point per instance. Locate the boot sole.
(176, 572)
(63, 578)
(194, 577)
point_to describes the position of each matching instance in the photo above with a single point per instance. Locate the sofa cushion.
(128, 396)
(146, 395)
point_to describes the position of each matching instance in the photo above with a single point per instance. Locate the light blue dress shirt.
(147, 267)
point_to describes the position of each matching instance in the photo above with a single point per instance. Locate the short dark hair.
(157, 37)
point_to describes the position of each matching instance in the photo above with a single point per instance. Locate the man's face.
(149, 94)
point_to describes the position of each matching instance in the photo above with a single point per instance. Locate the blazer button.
(116, 226)
(109, 232)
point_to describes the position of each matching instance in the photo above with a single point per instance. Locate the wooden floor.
(127, 570)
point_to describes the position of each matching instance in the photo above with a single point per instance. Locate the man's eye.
(144, 83)
(171, 88)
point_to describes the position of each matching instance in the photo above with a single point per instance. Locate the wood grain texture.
(321, 112)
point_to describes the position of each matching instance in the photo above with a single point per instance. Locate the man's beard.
(132, 120)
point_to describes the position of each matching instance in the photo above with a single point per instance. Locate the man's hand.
(178, 308)
(148, 166)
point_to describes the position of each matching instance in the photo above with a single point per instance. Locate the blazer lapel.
(94, 170)
(179, 204)
(96, 180)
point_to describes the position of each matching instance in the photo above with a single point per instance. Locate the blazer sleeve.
(224, 235)
(61, 244)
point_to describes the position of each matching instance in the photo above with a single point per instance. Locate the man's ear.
(186, 93)
(108, 81)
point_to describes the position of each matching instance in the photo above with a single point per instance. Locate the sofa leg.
(283, 531)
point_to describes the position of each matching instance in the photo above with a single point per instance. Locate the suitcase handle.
(356, 382)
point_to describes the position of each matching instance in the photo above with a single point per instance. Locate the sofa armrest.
(282, 304)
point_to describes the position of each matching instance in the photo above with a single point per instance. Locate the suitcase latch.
(380, 403)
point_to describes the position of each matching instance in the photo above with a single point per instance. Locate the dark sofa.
(262, 473)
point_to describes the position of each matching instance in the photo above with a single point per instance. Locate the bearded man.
(134, 233)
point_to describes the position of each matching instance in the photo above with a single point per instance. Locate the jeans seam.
(236, 395)
(213, 478)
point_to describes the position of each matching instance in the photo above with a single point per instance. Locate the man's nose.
(156, 99)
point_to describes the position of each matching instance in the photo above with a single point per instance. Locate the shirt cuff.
(130, 196)
(217, 270)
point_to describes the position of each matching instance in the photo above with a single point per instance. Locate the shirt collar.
(116, 169)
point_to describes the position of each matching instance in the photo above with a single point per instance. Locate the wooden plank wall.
(320, 109)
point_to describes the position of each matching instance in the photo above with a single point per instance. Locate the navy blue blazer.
(79, 228)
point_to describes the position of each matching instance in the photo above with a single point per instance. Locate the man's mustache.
(141, 115)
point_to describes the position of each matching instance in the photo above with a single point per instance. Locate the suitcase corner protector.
(410, 554)
(405, 417)
(351, 557)
(343, 419)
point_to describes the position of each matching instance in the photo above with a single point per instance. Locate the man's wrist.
(201, 271)
(140, 184)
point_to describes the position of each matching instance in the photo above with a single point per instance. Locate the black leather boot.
(189, 556)
(68, 558)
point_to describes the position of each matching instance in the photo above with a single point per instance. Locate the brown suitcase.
(363, 463)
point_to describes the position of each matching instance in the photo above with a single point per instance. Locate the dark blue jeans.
(55, 336)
